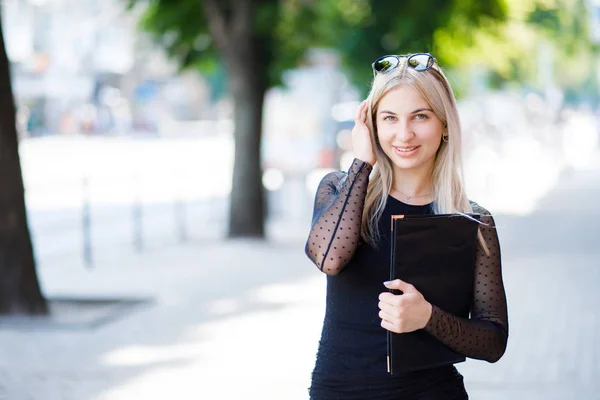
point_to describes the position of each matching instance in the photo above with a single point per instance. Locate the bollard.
(137, 215)
(87, 226)
(180, 226)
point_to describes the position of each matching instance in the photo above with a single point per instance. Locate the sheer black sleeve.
(484, 336)
(337, 215)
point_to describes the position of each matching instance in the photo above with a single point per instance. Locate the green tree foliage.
(181, 27)
(564, 25)
(511, 51)
(363, 30)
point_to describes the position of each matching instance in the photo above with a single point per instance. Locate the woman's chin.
(406, 164)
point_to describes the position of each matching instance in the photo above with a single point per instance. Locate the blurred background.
(135, 119)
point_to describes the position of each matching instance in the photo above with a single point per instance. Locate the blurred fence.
(87, 224)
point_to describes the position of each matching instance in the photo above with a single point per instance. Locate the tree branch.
(217, 25)
(242, 19)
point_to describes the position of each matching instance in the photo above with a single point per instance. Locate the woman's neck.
(413, 183)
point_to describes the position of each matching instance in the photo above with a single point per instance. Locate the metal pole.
(87, 226)
(180, 226)
(137, 215)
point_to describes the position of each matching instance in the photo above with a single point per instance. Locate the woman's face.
(408, 130)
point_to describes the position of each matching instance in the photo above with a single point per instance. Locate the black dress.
(351, 360)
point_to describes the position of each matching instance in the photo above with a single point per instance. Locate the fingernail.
(387, 283)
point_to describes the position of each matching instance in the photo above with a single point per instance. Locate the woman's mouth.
(406, 151)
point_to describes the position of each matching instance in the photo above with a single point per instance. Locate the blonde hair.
(449, 189)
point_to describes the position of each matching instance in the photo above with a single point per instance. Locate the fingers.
(387, 315)
(406, 312)
(396, 327)
(391, 310)
(365, 108)
(361, 112)
(393, 319)
(388, 325)
(389, 298)
(400, 285)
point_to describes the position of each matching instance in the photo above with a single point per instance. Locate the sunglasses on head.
(418, 61)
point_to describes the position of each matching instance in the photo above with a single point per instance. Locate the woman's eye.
(421, 116)
(389, 118)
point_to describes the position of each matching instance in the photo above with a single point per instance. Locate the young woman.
(409, 130)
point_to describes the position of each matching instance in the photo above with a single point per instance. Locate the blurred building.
(301, 127)
(81, 66)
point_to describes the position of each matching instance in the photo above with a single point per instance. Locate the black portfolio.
(436, 254)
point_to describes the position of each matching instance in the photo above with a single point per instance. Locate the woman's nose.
(404, 132)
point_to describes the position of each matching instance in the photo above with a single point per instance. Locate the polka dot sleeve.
(484, 336)
(337, 215)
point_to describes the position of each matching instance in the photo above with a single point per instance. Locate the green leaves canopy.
(361, 30)
(498, 35)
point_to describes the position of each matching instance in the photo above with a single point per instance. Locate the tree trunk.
(247, 207)
(19, 287)
(231, 24)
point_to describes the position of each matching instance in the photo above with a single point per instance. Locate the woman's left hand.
(406, 312)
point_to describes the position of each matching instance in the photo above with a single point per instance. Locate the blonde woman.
(407, 147)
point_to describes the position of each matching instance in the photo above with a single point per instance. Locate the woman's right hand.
(361, 137)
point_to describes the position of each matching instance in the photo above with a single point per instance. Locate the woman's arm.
(337, 217)
(484, 336)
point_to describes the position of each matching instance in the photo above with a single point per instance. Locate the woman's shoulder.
(478, 209)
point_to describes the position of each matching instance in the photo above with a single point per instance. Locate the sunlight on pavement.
(145, 355)
(258, 350)
(287, 293)
(223, 306)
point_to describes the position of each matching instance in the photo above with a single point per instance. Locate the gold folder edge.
(395, 217)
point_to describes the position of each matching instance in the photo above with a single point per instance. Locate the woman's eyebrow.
(418, 110)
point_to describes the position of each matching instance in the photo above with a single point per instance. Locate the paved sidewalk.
(242, 319)
(223, 313)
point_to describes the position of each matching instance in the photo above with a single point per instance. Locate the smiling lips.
(406, 151)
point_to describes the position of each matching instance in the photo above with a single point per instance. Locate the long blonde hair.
(449, 194)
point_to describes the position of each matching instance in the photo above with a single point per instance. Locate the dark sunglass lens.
(420, 62)
(384, 64)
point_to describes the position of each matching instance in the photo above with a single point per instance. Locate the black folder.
(436, 254)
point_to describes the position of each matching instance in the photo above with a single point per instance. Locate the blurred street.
(241, 319)
(125, 119)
